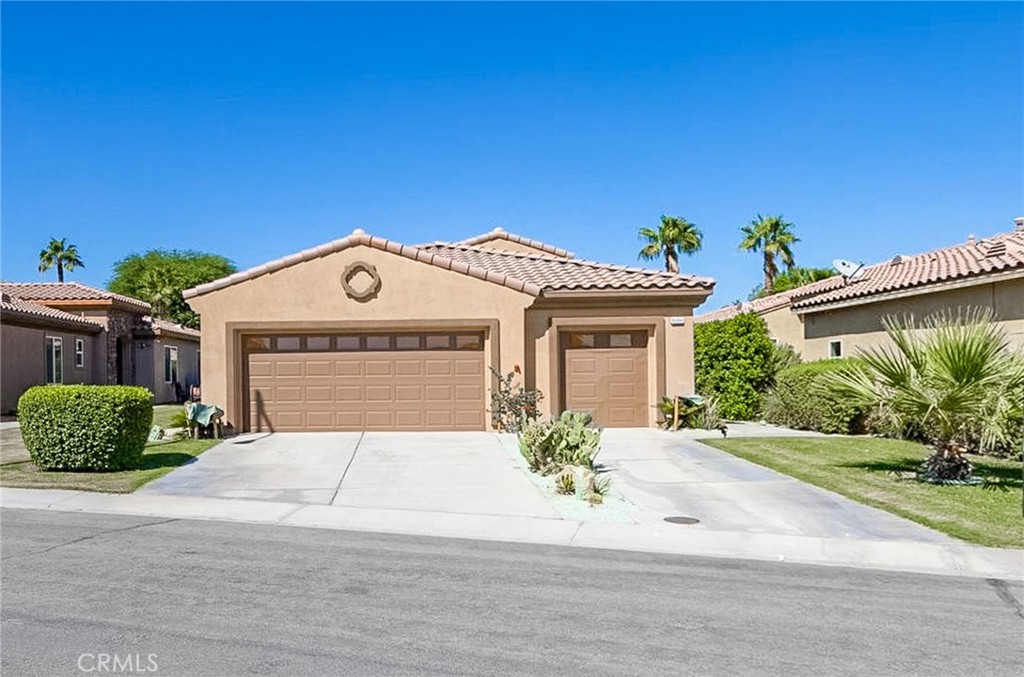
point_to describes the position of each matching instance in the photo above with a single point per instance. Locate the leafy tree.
(793, 278)
(674, 235)
(159, 276)
(773, 237)
(60, 254)
(953, 380)
(735, 359)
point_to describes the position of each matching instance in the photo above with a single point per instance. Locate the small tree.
(954, 380)
(512, 405)
(62, 255)
(735, 360)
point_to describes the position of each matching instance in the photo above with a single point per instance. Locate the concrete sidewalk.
(950, 559)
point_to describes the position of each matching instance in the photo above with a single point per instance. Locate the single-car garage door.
(381, 381)
(606, 375)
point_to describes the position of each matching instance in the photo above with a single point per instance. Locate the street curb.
(903, 556)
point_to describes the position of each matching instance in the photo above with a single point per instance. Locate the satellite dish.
(847, 268)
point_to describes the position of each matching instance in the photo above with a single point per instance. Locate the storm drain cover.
(679, 519)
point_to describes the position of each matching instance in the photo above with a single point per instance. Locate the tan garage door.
(425, 381)
(606, 375)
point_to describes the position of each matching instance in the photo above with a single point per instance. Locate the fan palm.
(60, 254)
(955, 380)
(773, 237)
(160, 289)
(674, 235)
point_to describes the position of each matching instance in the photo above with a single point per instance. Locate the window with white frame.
(54, 360)
(835, 349)
(79, 353)
(170, 364)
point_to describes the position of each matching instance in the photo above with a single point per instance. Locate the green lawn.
(159, 459)
(878, 472)
(163, 413)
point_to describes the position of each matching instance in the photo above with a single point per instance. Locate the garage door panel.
(319, 368)
(438, 367)
(433, 389)
(348, 368)
(319, 394)
(378, 368)
(379, 393)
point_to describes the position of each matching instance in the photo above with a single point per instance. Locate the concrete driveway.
(442, 472)
(666, 474)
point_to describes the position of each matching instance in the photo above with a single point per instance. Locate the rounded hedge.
(85, 427)
(801, 399)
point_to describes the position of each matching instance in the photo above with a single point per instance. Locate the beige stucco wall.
(309, 295)
(861, 326)
(670, 348)
(23, 360)
(786, 327)
(188, 367)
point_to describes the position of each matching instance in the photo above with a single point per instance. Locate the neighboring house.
(69, 332)
(834, 317)
(364, 333)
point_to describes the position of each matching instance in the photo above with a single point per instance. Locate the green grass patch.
(164, 413)
(879, 472)
(158, 459)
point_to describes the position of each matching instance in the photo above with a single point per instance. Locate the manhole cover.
(682, 520)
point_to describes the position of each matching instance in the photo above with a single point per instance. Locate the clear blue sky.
(256, 130)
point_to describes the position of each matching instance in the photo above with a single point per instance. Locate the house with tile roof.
(365, 333)
(68, 332)
(836, 316)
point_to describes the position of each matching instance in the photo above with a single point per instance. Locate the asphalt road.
(214, 598)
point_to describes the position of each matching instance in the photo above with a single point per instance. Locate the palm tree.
(674, 235)
(61, 254)
(953, 380)
(772, 236)
(160, 289)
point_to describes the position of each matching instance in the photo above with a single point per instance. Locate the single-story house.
(836, 316)
(365, 333)
(68, 332)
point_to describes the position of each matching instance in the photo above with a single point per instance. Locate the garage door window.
(605, 339)
(365, 342)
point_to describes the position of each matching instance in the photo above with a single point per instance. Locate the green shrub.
(85, 427)
(734, 359)
(512, 405)
(568, 440)
(695, 411)
(801, 399)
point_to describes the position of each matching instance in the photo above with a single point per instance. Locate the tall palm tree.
(773, 237)
(674, 235)
(61, 254)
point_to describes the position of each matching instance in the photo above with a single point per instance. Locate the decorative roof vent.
(896, 260)
(1018, 223)
(997, 248)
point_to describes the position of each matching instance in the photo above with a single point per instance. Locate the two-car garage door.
(393, 381)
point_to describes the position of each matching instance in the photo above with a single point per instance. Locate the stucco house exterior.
(72, 333)
(364, 333)
(834, 317)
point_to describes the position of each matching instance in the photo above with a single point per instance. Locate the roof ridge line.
(360, 237)
(577, 261)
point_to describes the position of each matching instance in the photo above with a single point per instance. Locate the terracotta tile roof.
(66, 291)
(997, 254)
(528, 273)
(16, 307)
(160, 326)
(557, 274)
(761, 305)
(502, 234)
